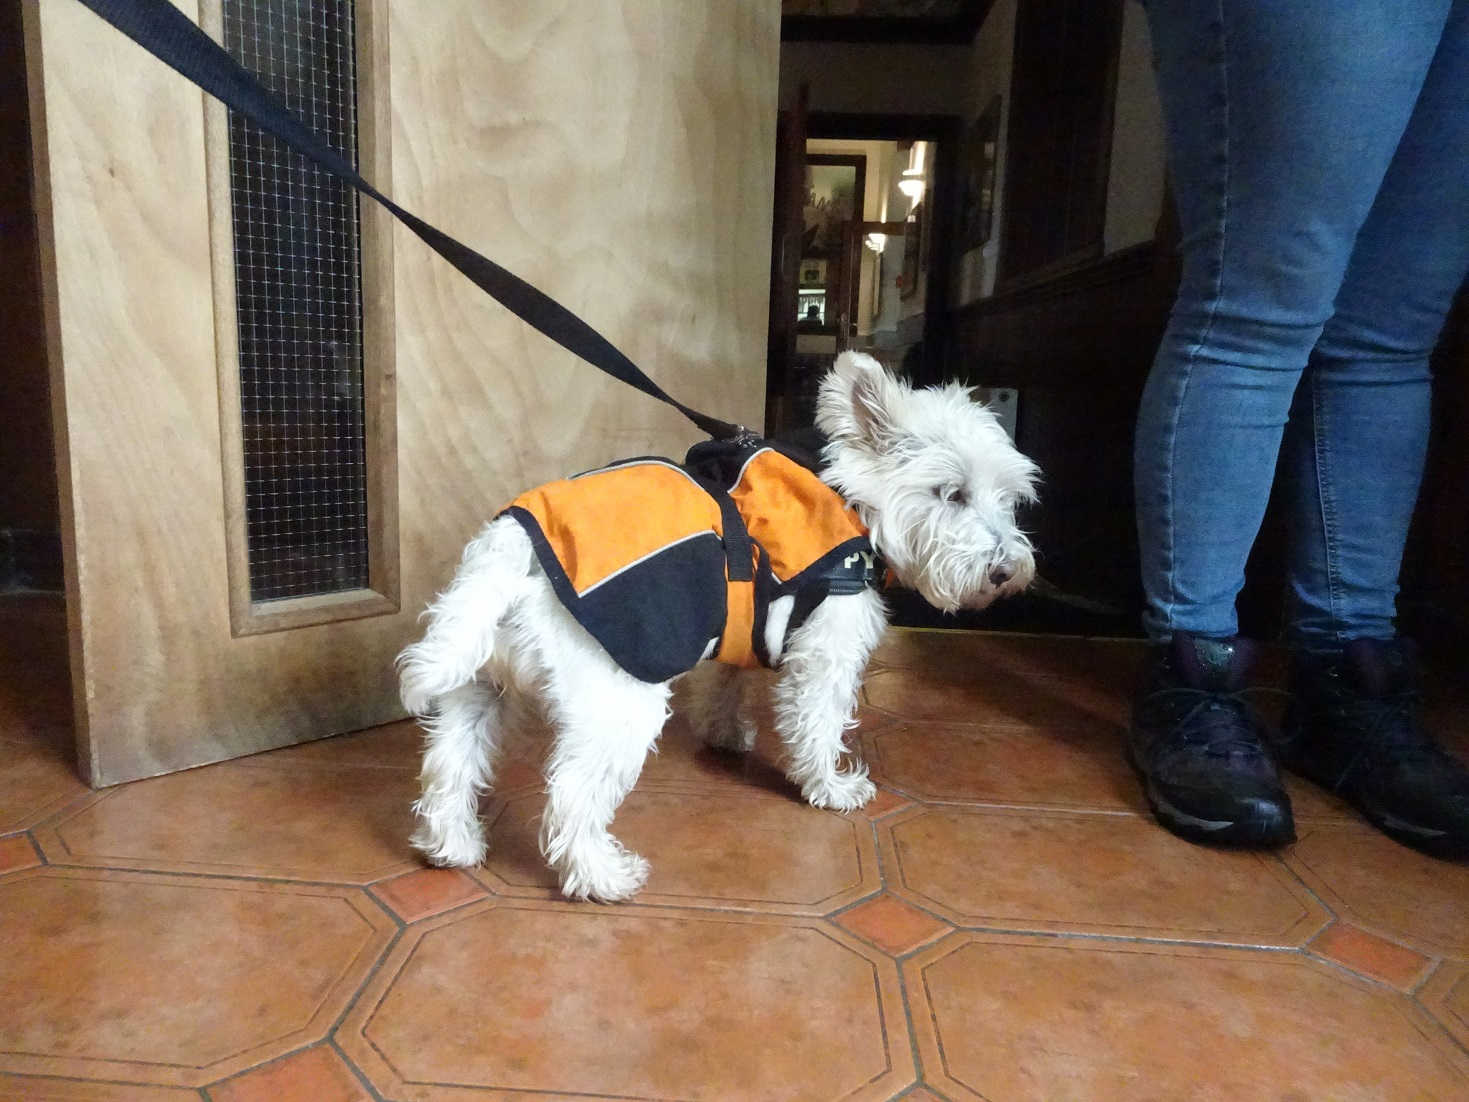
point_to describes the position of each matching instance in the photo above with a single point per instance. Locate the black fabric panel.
(655, 618)
(831, 569)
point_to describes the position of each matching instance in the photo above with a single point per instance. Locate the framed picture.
(813, 272)
(981, 152)
(915, 248)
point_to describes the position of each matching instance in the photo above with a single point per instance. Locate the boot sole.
(1429, 840)
(1253, 832)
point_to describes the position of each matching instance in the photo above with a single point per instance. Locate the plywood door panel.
(617, 154)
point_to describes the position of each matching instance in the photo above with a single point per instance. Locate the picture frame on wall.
(980, 160)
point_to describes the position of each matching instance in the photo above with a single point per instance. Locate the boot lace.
(1389, 727)
(1220, 724)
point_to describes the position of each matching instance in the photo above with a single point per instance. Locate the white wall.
(990, 66)
(1135, 182)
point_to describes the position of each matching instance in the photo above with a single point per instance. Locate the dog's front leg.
(816, 698)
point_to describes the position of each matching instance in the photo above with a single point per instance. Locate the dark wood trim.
(1077, 348)
(956, 31)
(877, 127)
(1031, 26)
(1118, 267)
(785, 257)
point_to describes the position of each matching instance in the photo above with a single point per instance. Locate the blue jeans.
(1319, 152)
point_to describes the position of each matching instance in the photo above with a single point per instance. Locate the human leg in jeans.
(1354, 453)
(1317, 148)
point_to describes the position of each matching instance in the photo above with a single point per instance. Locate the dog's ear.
(858, 400)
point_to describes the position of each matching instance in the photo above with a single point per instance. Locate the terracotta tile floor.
(1003, 922)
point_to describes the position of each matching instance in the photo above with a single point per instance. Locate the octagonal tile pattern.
(1447, 997)
(767, 927)
(630, 1003)
(733, 848)
(169, 980)
(39, 778)
(1002, 681)
(347, 824)
(1012, 1018)
(1385, 887)
(1105, 874)
(45, 1088)
(683, 759)
(964, 763)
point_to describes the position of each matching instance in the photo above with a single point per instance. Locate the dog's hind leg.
(816, 698)
(465, 621)
(458, 760)
(605, 722)
(718, 708)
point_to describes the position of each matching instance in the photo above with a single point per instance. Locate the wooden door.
(606, 156)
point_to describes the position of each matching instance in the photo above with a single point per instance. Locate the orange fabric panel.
(631, 511)
(737, 644)
(798, 518)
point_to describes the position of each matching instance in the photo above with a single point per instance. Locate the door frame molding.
(382, 595)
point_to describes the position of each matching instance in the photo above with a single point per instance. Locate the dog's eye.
(953, 495)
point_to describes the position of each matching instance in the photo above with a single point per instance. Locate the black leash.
(170, 36)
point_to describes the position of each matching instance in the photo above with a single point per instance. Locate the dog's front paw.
(612, 878)
(841, 791)
(457, 848)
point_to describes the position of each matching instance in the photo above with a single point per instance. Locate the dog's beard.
(943, 561)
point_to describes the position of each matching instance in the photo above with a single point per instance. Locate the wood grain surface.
(618, 155)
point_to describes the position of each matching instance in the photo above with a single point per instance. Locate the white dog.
(928, 476)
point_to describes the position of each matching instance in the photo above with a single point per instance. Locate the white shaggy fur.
(933, 476)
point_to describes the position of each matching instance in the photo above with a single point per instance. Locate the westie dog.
(591, 596)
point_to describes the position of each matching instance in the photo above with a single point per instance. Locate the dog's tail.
(464, 620)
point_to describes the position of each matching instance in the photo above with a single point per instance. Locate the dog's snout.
(999, 575)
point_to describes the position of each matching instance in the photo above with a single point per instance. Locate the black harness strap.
(170, 36)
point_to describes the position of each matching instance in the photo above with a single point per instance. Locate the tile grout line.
(372, 1091)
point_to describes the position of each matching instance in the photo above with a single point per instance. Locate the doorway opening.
(862, 253)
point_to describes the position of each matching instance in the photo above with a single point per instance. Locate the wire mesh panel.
(298, 288)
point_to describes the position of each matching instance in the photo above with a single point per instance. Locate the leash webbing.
(173, 38)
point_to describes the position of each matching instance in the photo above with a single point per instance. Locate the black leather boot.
(1354, 727)
(1200, 750)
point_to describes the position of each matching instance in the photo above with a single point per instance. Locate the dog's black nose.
(999, 575)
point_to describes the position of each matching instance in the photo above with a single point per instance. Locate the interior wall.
(1136, 168)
